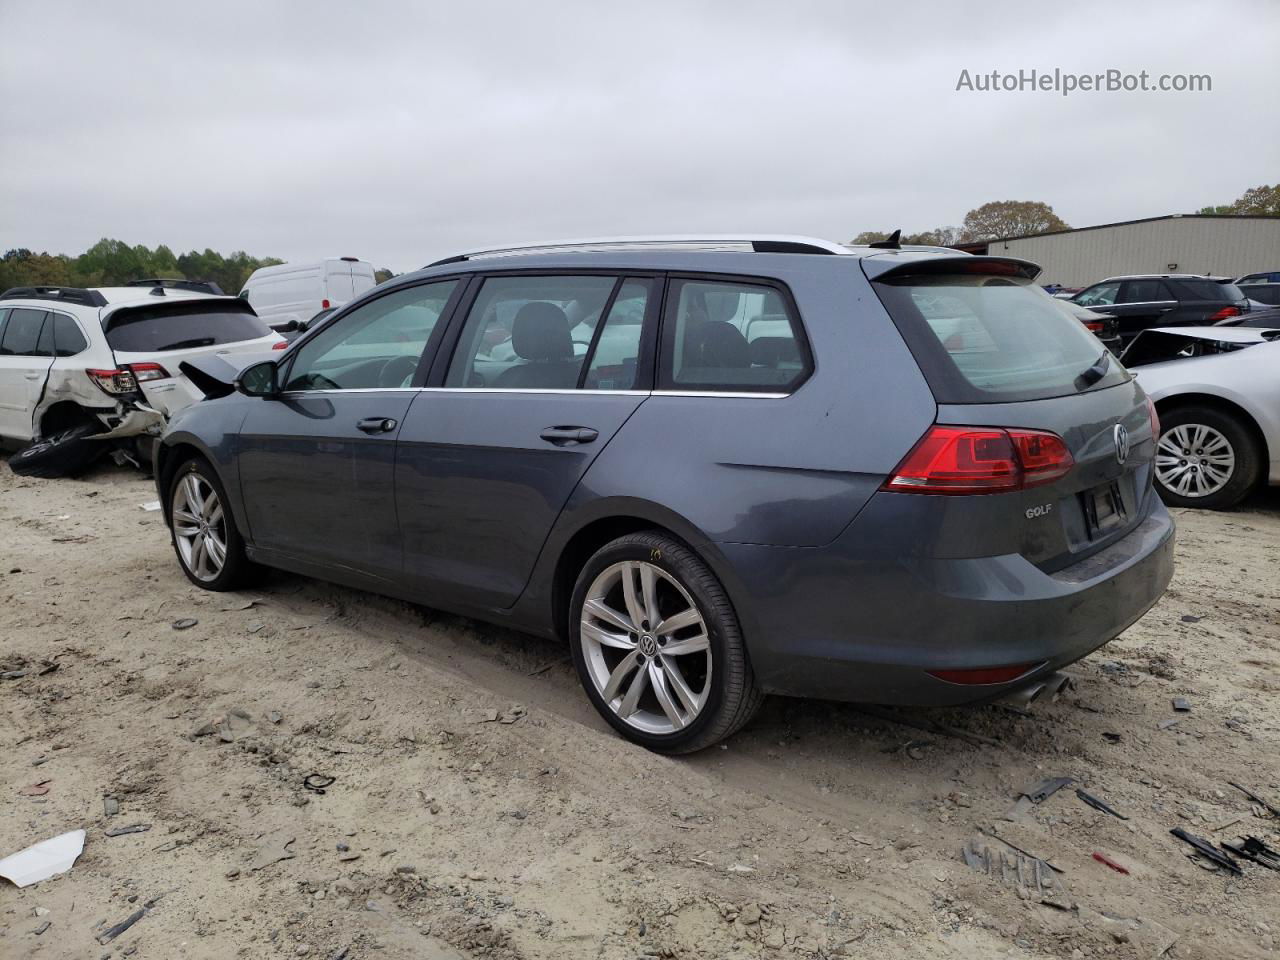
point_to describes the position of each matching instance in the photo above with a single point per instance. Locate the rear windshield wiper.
(1094, 373)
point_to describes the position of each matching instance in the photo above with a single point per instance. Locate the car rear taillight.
(1224, 314)
(972, 460)
(114, 382)
(142, 372)
(324, 304)
(282, 345)
(1093, 326)
(984, 674)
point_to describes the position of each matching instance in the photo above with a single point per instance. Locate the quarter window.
(730, 336)
(67, 338)
(530, 333)
(379, 345)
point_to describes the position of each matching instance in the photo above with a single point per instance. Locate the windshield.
(990, 339)
(183, 326)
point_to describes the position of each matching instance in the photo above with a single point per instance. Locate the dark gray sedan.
(716, 469)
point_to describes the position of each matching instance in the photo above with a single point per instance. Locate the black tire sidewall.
(66, 453)
(679, 561)
(233, 571)
(1248, 460)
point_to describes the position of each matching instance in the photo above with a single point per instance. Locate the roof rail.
(87, 298)
(757, 243)
(195, 286)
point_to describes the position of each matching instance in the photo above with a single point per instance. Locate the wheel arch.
(1221, 404)
(61, 415)
(608, 520)
(172, 454)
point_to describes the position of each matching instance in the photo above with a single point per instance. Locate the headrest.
(771, 351)
(715, 343)
(540, 331)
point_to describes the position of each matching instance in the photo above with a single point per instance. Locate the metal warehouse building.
(1222, 245)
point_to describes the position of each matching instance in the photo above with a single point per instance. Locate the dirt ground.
(480, 809)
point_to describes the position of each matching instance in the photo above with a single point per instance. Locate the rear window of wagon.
(983, 338)
(183, 326)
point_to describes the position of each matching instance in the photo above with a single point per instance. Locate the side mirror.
(260, 380)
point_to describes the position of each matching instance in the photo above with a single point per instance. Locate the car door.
(544, 371)
(24, 368)
(1140, 304)
(317, 462)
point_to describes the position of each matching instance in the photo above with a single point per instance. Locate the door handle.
(563, 436)
(377, 424)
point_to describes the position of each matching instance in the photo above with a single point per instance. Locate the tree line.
(1018, 218)
(113, 262)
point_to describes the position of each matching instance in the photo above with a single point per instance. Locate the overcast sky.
(401, 132)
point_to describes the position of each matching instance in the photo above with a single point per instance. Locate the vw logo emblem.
(1122, 443)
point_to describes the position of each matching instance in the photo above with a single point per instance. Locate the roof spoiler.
(195, 286)
(884, 268)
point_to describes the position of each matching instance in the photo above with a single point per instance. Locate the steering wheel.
(398, 372)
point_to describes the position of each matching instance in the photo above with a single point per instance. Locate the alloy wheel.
(646, 647)
(199, 527)
(1194, 460)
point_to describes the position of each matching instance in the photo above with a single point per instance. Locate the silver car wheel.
(1194, 460)
(646, 647)
(199, 527)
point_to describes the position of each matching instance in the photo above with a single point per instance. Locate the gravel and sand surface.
(479, 808)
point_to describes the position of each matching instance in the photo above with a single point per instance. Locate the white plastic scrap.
(43, 860)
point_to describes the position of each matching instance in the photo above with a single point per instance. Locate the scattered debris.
(318, 782)
(512, 715)
(151, 506)
(110, 806)
(1251, 848)
(37, 789)
(43, 860)
(1208, 851)
(1042, 791)
(1275, 811)
(1168, 722)
(1013, 846)
(1188, 618)
(132, 828)
(1032, 877)
(111, 933)
(486, 716)
(1103, 858)
(39, 931)
(275, 847)
(186, 623)
(1112, 737)
(231, 726)
(240, 605)
(1181, 704)
(1098, 804)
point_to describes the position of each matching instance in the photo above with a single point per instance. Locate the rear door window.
(981, 338)
(1143, 291)
(731, 336)
(22, 334)
(530, 332)
(183, 326)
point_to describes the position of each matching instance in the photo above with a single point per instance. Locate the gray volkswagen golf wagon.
(717, 468)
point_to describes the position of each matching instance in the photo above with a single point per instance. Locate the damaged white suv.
(82, 366)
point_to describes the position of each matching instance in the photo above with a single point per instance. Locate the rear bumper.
(847, 622)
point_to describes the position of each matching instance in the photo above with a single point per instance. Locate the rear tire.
(672, 690)
(205, 538)
(67, 452)
(1206, 458)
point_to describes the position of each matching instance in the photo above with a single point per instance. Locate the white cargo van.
(293, 293)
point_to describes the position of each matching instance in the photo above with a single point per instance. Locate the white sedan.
(1217, 393)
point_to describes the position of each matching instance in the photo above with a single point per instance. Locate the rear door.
(998, 354)
(317, 463)
(1142, 303)
(339, 285)
(155, 339)
(544, 371)
(24, 368)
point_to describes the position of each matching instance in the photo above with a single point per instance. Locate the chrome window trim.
(721, 395)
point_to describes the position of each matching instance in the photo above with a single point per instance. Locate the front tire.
(1205, 458)
(209, 546)
(657, 645)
